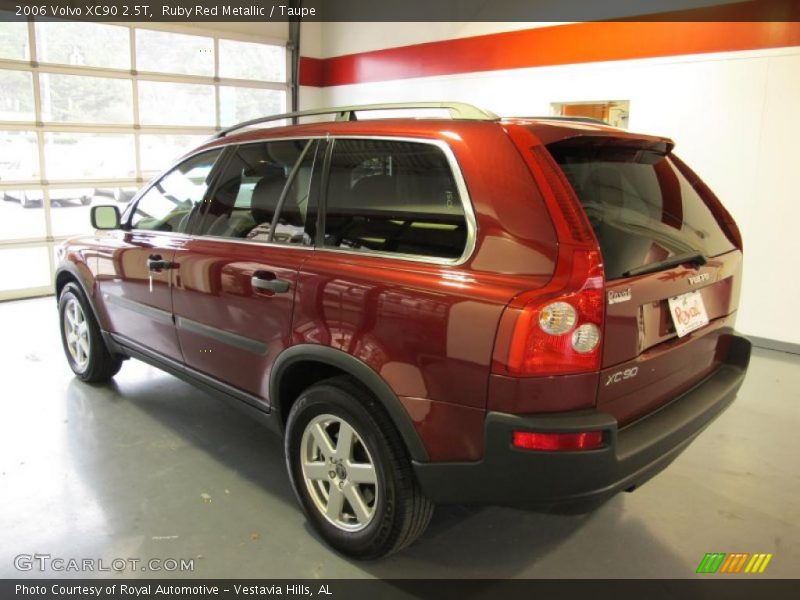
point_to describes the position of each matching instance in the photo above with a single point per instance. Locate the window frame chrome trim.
(463, 193)
(455, 169)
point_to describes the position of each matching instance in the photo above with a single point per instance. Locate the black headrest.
(266, 194)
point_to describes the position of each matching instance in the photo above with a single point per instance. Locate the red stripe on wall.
(311, 70)
(548, 46)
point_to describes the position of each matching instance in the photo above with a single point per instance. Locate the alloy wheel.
(339, 472)
(76, 333)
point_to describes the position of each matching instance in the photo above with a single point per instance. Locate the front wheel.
(351, 472)
(87, 354)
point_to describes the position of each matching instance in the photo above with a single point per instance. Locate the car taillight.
(558, 329)
(561, 334)
(585, 440)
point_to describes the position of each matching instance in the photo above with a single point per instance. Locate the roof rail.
(573, 119)
(458, 110)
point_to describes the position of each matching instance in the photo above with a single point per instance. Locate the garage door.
(89, 112)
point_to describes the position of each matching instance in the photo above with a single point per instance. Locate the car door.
(234, 296)
(136, 269)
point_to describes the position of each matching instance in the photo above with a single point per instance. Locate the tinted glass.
(396, 197)
(641, 208)
(168, 205)
(248, 194)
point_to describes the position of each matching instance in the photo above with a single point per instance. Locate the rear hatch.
(659, 240)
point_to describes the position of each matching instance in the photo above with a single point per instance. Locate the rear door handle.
(156, 263)
(266, 281)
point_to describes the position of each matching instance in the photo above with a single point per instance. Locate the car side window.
(252, 201)
(169, 203)
(395, 197)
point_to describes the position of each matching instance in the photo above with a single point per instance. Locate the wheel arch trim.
(359, 370)
(79, 278)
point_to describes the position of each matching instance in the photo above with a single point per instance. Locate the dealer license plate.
(688, 312)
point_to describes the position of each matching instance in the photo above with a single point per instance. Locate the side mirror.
(105, 217)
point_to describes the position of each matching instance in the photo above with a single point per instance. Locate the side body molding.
(362, 373)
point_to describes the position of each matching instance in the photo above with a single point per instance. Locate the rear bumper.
(578, 480)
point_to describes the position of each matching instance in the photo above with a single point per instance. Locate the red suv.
(534, 312)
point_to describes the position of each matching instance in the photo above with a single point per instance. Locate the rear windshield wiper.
(695, 258)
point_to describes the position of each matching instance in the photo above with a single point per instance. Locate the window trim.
(455, 168)
(461, 188)
(227, 156)
(130, 209)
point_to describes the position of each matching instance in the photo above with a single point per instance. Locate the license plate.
(688, 312)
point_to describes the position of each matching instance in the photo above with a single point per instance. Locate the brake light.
(561, 334)
(557, 330)
(585, 440)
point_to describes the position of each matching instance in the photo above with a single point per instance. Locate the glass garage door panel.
(22, 268)
(13, 39)
(16, 99)
(21, 215)
(246, 60)
(162, 103)
(160, 151)
(239, 104)
(93, 113)
(19, 156)
(69, 208)
(89, 156)
(84, 44)
(78, 99)
(165, 52)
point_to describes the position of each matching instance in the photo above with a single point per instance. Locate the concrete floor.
(149, 467)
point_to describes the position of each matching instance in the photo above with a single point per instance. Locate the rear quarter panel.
(427, 329)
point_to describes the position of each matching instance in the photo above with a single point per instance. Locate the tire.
(393, 512)
(86, 352)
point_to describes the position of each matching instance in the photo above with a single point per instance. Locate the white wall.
(337, 39)
(735, 118)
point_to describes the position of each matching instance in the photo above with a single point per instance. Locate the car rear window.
(642, 209)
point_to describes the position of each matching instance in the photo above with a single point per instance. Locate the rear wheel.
(351, 472)
(86, 352)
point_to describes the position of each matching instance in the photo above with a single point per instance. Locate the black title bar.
(401, 10)
(709, 587)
